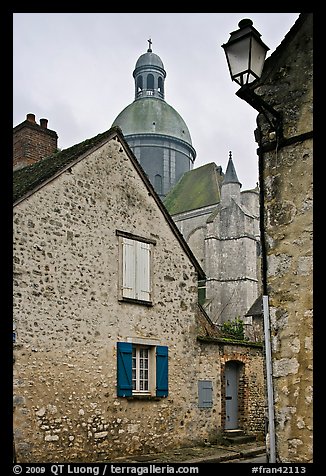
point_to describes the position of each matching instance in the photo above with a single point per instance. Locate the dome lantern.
(149, 75)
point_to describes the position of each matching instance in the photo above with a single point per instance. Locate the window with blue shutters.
(142, 370)
(205, 394)
(135, 268)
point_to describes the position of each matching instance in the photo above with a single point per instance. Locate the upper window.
(135, 268)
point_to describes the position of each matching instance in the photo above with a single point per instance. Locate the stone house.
(285, 140)
(113, 355)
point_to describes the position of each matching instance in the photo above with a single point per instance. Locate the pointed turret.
(230, 174)
(231, 186)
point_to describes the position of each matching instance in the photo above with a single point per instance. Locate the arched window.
(160, 85)
(139, 84)
(158, 184)
(150, 81)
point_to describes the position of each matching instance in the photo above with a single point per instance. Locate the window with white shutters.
(136, 269)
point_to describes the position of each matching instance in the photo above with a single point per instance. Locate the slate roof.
(230, 174)
(197, 188)
(256, 309)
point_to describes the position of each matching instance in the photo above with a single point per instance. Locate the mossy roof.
(230, 341)
(197, 188)
(26, 179)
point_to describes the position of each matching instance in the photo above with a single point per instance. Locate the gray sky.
(75, 69)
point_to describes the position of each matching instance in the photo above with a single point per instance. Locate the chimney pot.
(44, 123)
(30, 117)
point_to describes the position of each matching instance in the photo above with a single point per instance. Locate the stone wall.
(251, 381)
(289, 234)
(286, 174)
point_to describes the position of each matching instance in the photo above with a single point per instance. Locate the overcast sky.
(75, 69)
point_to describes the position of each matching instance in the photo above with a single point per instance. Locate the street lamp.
(245, 54)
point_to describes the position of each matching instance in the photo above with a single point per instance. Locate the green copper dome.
(152, 116)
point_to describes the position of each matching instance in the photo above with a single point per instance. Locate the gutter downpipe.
(267, 335)
(276, 123)
(269, 378)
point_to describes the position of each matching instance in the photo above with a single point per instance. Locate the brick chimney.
(32, 142)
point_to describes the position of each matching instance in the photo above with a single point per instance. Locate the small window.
(139, 83)
(142, 370)
(135, 268)
(160, 85)
(158, 184)
(205, 394)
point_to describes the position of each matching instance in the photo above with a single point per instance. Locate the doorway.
(231, 375)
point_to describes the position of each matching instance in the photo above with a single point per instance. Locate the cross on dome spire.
(149, 46)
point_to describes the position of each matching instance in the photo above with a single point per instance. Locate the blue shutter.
(161, 371)
(124, 369)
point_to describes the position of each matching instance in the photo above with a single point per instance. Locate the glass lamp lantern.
(245, 53)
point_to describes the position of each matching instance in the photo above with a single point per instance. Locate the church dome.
(154, 130)
(152, 116)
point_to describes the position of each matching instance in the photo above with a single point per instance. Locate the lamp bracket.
(273, 117)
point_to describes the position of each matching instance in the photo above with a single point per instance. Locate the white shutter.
(143, 271)
(129, 268)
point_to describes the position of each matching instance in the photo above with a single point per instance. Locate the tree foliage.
(233, 329)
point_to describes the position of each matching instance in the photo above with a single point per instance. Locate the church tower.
(154, 130)
(231, 247)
